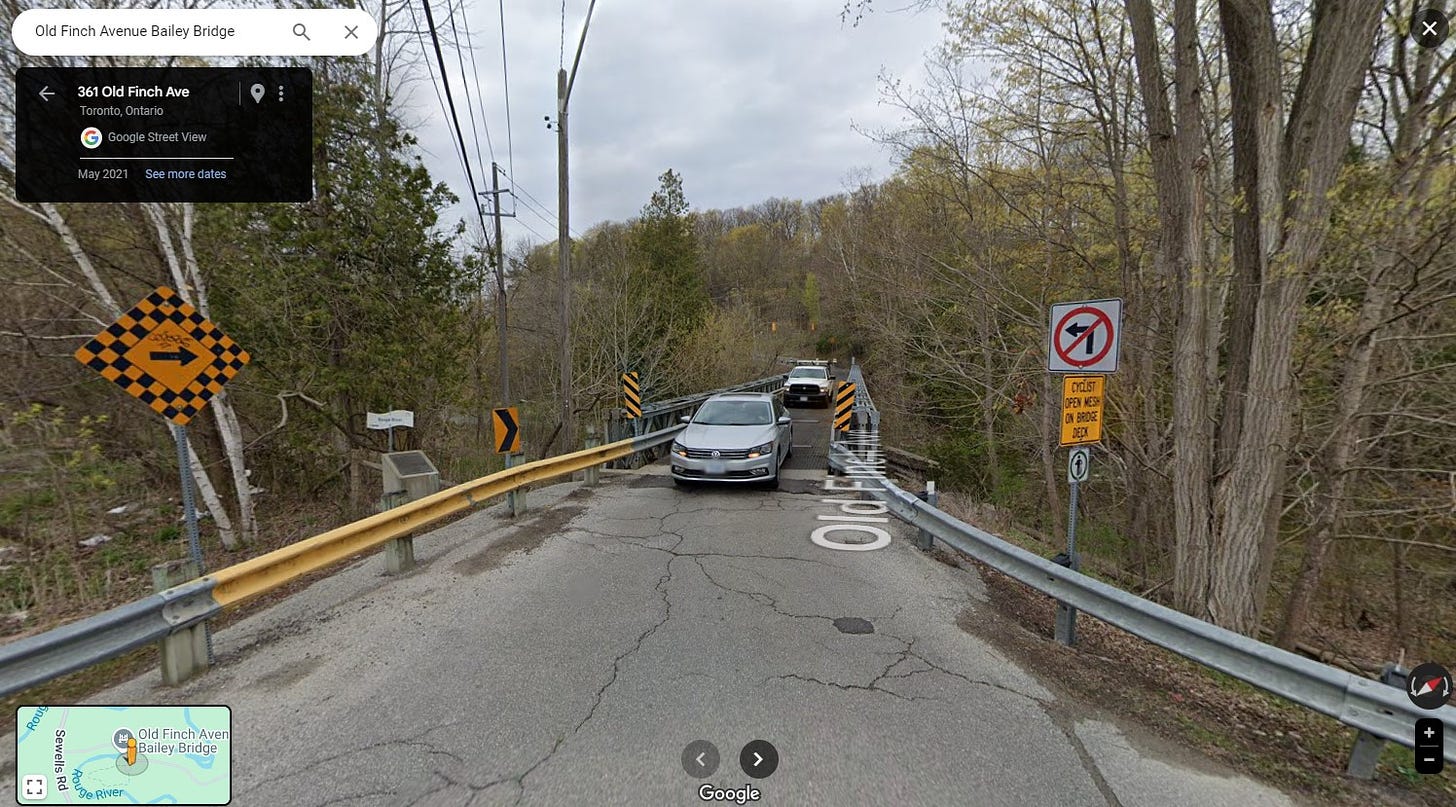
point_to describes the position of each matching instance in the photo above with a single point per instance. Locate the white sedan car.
(734, 437)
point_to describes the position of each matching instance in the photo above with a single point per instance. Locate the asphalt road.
(571, 657)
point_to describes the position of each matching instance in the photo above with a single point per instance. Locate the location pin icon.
(258, 90)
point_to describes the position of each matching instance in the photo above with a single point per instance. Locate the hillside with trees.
(1271, 195)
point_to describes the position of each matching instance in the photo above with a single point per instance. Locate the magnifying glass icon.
(299, 29)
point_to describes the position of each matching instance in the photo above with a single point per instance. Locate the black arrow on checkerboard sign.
(181, 356)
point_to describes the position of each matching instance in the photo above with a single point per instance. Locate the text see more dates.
(152, 134)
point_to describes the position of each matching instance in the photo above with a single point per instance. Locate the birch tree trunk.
(101, 295)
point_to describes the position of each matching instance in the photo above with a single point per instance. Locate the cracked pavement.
(575, 668)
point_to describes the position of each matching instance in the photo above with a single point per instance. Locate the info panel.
(164, 134)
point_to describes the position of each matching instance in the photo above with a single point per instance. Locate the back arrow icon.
(699, 758)
(46, 92)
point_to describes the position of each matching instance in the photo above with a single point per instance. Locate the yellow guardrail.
(264, 573)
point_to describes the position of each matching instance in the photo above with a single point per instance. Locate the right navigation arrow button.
(759, 759)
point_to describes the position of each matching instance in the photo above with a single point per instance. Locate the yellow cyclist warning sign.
(1082, 409)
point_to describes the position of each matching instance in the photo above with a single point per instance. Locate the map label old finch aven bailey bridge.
(123, 754)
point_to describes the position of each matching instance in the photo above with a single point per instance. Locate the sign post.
(1085, 337)
(164, 353)
(1079, 463)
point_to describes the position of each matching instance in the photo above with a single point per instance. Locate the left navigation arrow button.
(700, 759)
(46, 93)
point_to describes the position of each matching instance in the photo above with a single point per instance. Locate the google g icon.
(91, 137)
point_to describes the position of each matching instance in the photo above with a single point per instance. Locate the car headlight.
(760, 451)
(679, 449)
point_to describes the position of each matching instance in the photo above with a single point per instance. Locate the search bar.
(194, 32)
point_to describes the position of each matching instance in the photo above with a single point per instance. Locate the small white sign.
(1079, 464)
(389, 420)
(1085, 337)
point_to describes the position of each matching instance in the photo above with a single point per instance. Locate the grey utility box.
(408, 475)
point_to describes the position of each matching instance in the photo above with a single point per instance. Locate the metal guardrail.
(866, 415)
(36, 659)
(1368, 705)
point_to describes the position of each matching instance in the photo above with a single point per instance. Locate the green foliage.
(354, 299)
(168, 535)
(55, 469)
(664, 273)
(57, 478)
(811, 298)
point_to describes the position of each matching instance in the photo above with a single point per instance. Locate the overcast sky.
(747, 99)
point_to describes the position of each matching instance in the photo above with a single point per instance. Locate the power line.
(465, 87)
(548, 222)
(506, 75)
(543, 238)
(420, 34)
(450, 100)
(536, 206)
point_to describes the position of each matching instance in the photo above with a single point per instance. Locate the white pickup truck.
(808, 384)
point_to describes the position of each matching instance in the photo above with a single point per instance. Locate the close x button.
(1429, 745)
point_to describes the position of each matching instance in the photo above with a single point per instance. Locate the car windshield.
(807, 372)
(735, 413)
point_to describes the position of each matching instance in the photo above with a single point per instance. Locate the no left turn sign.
(1085, 337)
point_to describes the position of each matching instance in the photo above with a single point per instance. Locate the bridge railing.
(36, 659)
(1377, 709)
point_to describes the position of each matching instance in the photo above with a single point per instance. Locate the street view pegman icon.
(165, 354)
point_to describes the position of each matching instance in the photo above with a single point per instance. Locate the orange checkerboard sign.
(165, 354)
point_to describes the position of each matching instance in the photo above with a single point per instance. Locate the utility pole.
(563, 250)
(563, 237)
(500, 289)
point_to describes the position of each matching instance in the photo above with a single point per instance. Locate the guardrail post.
(184, 653)
(1368, 746)
(1065, 627)
(516, 499)
(925, 540)
(592, 473)
(399, 555)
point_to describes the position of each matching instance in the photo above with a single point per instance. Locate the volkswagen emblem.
(717, 454)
